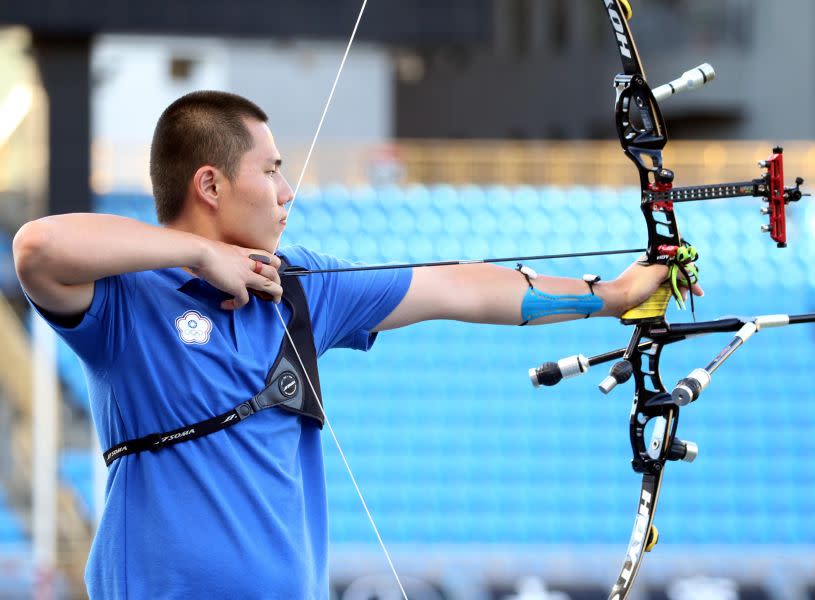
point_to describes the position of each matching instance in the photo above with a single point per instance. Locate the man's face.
(253, 212)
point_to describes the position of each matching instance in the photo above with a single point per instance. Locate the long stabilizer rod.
(689, 388)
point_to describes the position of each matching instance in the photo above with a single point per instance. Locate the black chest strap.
(286, 386)
(302, 400)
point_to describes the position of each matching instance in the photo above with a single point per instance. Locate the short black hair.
(200, 128)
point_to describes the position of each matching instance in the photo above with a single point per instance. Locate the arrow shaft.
(447, 263)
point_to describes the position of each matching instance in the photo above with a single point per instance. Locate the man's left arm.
(490, 294)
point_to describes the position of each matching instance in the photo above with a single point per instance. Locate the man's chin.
(275, 243)
(266, 246)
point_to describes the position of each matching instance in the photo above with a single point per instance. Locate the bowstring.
(325, 109)
(288, 334)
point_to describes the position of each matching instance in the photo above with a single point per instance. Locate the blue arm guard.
(537, 304)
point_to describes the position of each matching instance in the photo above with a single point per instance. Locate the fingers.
(265, 288)
(266, 271)
(694, 289)
(265, 283)
(266, 259)
(261, 280)
(240, 300)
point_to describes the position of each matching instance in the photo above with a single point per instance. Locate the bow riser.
(643, 135)
(651, 403)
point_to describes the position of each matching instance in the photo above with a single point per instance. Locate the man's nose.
(284, 192)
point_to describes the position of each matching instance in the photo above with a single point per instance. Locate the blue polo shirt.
(240, 513)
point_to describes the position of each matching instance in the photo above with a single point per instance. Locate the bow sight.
(770, 187)
(643, 135)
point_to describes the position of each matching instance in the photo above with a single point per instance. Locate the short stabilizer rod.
(550, 373)
(619, 373)
(690, 80)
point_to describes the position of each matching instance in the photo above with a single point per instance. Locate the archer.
(209, 494)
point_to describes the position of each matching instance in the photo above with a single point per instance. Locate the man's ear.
(206, 184)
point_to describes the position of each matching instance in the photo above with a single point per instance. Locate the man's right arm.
(58, 259)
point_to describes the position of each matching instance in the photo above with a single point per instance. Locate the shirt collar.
(178, 276)
(194, 286)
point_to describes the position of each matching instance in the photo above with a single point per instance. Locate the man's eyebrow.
(278, 162)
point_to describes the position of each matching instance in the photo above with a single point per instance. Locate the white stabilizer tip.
(572, 366)
(608, 384)
(772, 321)
(686, 392)
(747, 330)
(691, 452)
(533, 377)
(690, 80)
(701, 376)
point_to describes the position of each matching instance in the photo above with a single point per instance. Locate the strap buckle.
(245, 409)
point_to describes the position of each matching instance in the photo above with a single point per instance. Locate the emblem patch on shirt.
(193, 327)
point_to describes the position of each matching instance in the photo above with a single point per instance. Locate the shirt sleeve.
(345, 307)
(102, 333)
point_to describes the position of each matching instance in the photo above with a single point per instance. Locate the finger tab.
(262, 258)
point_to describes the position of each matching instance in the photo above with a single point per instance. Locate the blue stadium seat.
(451, 443)
(318, 218)
(390, 197)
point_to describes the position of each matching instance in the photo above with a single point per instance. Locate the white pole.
(44, 457)
(100, 475)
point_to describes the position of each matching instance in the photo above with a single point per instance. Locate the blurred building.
(502, 70)
(290, 80)
(547, 71)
